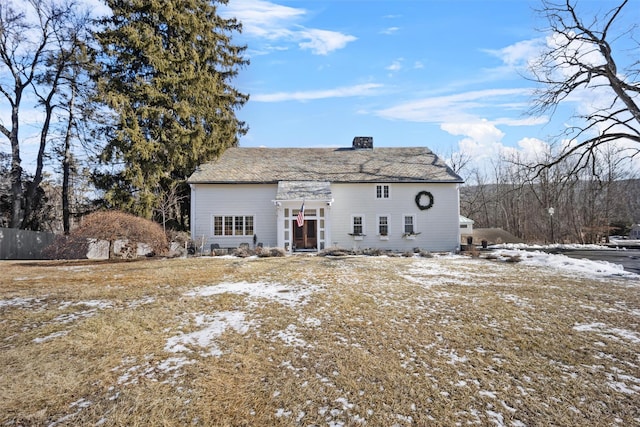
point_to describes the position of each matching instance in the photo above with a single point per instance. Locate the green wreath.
(419, 200)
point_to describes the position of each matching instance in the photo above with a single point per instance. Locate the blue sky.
(436, 73)
(446, 74)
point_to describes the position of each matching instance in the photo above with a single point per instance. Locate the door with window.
(305, 237)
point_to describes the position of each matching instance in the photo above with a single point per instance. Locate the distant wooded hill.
(583, 211)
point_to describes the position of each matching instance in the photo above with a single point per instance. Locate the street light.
(551, 211)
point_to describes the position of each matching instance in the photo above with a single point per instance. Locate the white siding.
(254, 200)
(438, 226)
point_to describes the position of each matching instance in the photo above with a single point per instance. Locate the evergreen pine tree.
(166, 72)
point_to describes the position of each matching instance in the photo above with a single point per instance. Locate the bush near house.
(111, 226)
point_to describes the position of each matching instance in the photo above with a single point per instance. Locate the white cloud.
(322, 42)
(269, 21)
(481, 131)
(396, 65)
(461, 107)
(390, 30)
(340, 92)
(483, 144)
(534, 148)
(519, 54)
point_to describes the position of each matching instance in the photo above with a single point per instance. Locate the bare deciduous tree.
(36, 54)
(168, 204)
(581, 57)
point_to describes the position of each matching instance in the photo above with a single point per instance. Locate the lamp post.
(551, 211)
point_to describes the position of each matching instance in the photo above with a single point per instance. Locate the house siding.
(438, 226)
(233, 199)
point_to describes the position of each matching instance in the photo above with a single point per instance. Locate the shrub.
(334, 251)
(242, 252)
(373, 251)
(425, 254)
(276, 252)
(116, 225)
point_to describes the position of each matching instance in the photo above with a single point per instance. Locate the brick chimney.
(362, 142)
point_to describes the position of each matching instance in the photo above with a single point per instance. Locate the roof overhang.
(304, 191)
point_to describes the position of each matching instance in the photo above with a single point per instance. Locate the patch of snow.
(19, 302)
(345, 403)
(50, 337)
(95, 303)
(601, 328)
(496, 417)
(141, 301)
(291, 337)
(585, 267)
(560, 246)
(281, 412)
(287, 295)
(487, 393)
(213, 327)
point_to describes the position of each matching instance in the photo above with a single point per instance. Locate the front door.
(305, 237)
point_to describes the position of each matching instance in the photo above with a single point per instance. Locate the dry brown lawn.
(313, 341)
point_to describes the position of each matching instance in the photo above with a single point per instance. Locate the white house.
(356, 197)
(466, 229)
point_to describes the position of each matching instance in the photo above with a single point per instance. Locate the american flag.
(300, 218)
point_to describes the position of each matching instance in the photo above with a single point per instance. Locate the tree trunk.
(66, 168)
(17, 212)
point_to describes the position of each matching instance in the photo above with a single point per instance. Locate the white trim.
(353, 216)
(378, 225)
(193, 216)
(415, 223)
(233, 225)
(375, 191)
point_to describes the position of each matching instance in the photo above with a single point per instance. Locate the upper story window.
(382, 191)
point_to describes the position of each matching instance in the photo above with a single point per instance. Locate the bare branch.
(581, 58)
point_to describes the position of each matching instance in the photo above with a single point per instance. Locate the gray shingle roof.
(304, 190)
(271, 165)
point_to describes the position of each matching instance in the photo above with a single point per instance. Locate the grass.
(305, 340)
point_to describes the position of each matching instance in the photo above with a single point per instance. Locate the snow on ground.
(562, 263)
(202, 330)
(256, 292)
(562, 246)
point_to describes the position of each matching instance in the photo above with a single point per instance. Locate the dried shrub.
(273, 252)
(242, 252)
(472, 251)
(180, 237)
(425, 254)
(116, 225)
(373, 251)
(335, 251)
